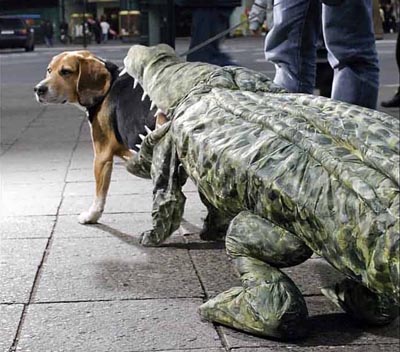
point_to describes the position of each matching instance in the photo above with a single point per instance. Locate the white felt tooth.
(135, 82)
(132, 151)
(141, 137)
(148, 130)
(126, 157)
(152, 106)
(138, 146)
(122, 72)
(144, 96)
(158, 125)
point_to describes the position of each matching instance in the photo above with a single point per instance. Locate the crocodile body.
(290, 174)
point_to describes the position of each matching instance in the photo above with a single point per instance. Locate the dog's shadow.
(124, 237)
(181, 239)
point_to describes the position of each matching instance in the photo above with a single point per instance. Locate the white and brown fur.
(117, 110)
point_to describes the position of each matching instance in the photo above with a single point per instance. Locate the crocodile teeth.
(144, 96)
(141, 137)
(158, 125)
(122, 72)
(138, 145)
(132, 151)
(135, 82)
(152, 106)
(148, 130)
(126, 157)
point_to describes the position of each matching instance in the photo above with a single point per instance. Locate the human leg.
(395, 101)
(268, 303)
(291, 43)
(202, 21)
(352, 52)
(221, 23)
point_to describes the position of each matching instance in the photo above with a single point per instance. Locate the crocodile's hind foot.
(268, 303)
(261, 310)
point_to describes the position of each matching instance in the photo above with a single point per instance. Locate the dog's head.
(74, 77)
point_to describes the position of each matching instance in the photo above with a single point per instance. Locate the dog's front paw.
(89, 217)
(148, 239)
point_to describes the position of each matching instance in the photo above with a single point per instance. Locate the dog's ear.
(93, 81)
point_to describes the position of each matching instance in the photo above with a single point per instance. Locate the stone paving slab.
(133, 186)
(33, 191)
(29, 206)
(353, 348)
(86, 174)
(328, 326)
(115, 268)
(19, 263)
(26, 227)
(32, 177)
(134, 326)
(42, 132)
(196, 350)
(127, 203)
(30, 157)
(312, 275)
(110, 225)
(83, 156)
(215, 270)
(10, 316)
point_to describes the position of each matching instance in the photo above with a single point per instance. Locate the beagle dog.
(118, 111)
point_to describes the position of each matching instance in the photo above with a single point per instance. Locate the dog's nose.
(40, 89)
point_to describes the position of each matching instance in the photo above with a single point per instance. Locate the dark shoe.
(392, 103)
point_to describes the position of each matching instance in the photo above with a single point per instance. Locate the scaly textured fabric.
(287, 171)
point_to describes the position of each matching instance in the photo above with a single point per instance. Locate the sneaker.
(392, 103)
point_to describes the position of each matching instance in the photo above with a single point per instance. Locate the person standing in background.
(261, 11)
(208, 19)
(48, 32)
(105, 28)
(349, 38)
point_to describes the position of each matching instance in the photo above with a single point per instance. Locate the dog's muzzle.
(40, 89)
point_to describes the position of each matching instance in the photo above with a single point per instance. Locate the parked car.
(15, 33)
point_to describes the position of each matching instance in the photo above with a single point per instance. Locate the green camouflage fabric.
(284, 176)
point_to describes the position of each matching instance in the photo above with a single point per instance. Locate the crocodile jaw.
(165, 77)
(145, 64)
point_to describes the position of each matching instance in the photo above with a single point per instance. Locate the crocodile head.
(164, 76)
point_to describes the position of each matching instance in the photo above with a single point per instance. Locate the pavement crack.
(48, 244)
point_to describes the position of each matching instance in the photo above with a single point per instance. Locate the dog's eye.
(64, 72)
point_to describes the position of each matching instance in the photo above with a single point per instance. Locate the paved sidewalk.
(68, 287)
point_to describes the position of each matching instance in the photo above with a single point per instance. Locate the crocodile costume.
(290, 174)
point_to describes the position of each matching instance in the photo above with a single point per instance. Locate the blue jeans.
(350, 41)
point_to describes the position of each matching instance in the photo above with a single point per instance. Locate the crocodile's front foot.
(149, 239)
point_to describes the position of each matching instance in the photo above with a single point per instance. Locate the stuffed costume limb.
(168, 199)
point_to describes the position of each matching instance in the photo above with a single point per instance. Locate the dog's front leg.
(103, 164)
